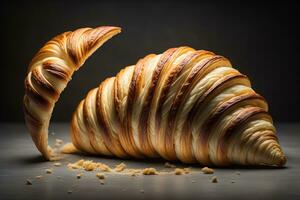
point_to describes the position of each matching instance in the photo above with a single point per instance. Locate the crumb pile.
(150, 171)
(207, 170)
(102, 169)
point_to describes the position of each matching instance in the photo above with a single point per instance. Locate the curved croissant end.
(182, 105)
(49, 72)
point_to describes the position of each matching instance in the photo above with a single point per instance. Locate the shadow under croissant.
(32, 159)
(160, 162)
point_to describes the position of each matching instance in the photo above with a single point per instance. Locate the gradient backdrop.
(261, 40)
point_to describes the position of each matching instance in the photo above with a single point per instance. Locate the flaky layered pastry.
(183, 104)
(49, 72)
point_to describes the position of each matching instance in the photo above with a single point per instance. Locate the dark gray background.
(261, 40)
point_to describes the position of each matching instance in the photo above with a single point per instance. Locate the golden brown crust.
(49, 72)
(183, 105)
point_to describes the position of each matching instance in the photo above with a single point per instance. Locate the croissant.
(48, 74)
(183, 104)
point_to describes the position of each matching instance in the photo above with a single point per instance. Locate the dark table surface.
(20, 161)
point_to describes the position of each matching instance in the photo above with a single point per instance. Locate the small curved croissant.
(49, 72)
(183, 104)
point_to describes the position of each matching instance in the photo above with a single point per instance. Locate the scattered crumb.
(39, 177)
(233, 181)
(238, 173)
(169, 165)
(57, 164)
(178, 171)
(120, 167)
(80, 162)
(89, 165)
(134, 172)
(100, 175)
(142, 191)
(186, 170)
(28, 182)
(102, 182)
(193, 181)
(207, 170)
(103, 167)
(76, 165)
(70, 191)
(79, 176)
(52, 133)
(58, 177)
(123, 189)
(214, 179)
(49, 171)
(55, 156)
(150, 171)
(68, 148)
(58, 142)
(72, 166)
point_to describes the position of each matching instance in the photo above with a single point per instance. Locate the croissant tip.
(276, 158)
(281, 159)
(114, 28)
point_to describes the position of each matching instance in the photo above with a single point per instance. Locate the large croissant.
(182, 105)
(49, 72)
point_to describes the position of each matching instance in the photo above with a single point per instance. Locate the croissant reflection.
(183, 104)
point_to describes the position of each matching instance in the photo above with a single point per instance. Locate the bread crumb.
(214, 179)
(68, 148)
(100, 175)
(49, 171)
(103, 167)
(79, 176)
(142, 191)
(193, 181)
(207, 170)
(58, 177)
(28, 182)
(102, 182)
(80, 162)
(178, 171)
(238, 173)
(73, 166)
(150, 171)
(39, 177)
(69, 191)
(120, 167)
(57, 164)
(134, 172)
(89, 165)
(169, 165)
(233, 181)
(58, 142)
(187, 170)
